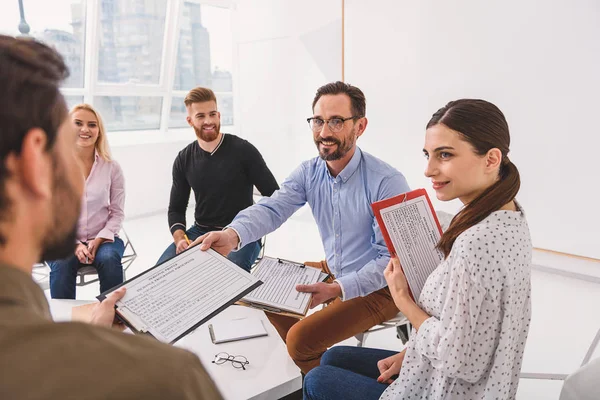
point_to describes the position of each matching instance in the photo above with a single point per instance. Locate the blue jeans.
(348, 373)
(63, 273)
(244, 258)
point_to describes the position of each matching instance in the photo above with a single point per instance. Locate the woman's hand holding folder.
(400, 292)
(396, 280)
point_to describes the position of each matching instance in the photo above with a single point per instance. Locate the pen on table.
(187, 240)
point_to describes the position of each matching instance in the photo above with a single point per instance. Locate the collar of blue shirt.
(349, 170)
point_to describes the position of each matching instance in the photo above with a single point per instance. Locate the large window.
(129, 112)
(58, 23)
(131, 36)
(135, 60)
(177, 117)
(204, 58)
(73, 100)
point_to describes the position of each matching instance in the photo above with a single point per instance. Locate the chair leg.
(361, 338)
(403, 332)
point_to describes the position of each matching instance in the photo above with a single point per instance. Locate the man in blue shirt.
(339, 186)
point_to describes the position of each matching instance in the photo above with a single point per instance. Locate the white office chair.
(41, 275)
(263, 241)
(582, 384)
(261, 253)
(400, 322)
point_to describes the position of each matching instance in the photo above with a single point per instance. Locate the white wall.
(147, 169)
(285, 51)
(539, 61)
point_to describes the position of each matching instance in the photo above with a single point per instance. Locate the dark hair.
(357, 97)
(199, 95)
(483, 125)
(30, 75)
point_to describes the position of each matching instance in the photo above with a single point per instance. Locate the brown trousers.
(307, 339)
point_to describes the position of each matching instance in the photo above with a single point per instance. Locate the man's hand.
(321, 292)
(221, 241)
(388, 367)
(93, 248)
(396, 280)
(181, 245)
(103, 314)
(82, 253)
(181, 241)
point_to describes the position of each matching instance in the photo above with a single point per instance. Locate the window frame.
(93, 88)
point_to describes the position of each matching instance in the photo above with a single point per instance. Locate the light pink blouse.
(103, 202)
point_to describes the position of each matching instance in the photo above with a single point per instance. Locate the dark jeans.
(63, 273)
(244, 258)
(348, 373)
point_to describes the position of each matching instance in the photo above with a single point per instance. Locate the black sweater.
(223, 182)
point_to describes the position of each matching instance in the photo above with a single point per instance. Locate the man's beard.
(59, 242)
(207, 137)
(342, 147)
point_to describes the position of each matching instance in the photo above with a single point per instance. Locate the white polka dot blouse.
(480, 307)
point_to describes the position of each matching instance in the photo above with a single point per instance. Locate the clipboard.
(323, 277)
(401, 198)
(254, 300)
(137, 324)
(382, 206)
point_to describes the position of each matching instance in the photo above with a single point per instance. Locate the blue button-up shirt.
(355, 249)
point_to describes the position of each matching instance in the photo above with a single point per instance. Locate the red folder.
(383, 204)
(379, 205)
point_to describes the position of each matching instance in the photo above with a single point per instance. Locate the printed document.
(411, 231)
(175, 297)
(278, 292)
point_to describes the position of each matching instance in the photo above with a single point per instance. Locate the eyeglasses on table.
(236, 361)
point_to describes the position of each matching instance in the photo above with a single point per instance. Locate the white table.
(271, 373)
(61, 309)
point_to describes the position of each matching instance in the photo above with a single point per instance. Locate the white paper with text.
(279, 279)
(173, 297)
(414, 234)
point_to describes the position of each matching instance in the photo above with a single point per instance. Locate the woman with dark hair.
(472, 317)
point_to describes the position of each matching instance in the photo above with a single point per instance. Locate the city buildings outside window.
(126, 73)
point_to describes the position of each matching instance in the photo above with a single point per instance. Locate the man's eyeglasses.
(236, 361)
(335, 124)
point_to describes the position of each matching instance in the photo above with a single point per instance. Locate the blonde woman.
(102, 213)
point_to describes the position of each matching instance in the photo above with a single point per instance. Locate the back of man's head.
(30, 75)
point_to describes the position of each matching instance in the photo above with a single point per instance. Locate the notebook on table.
(236, 329)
